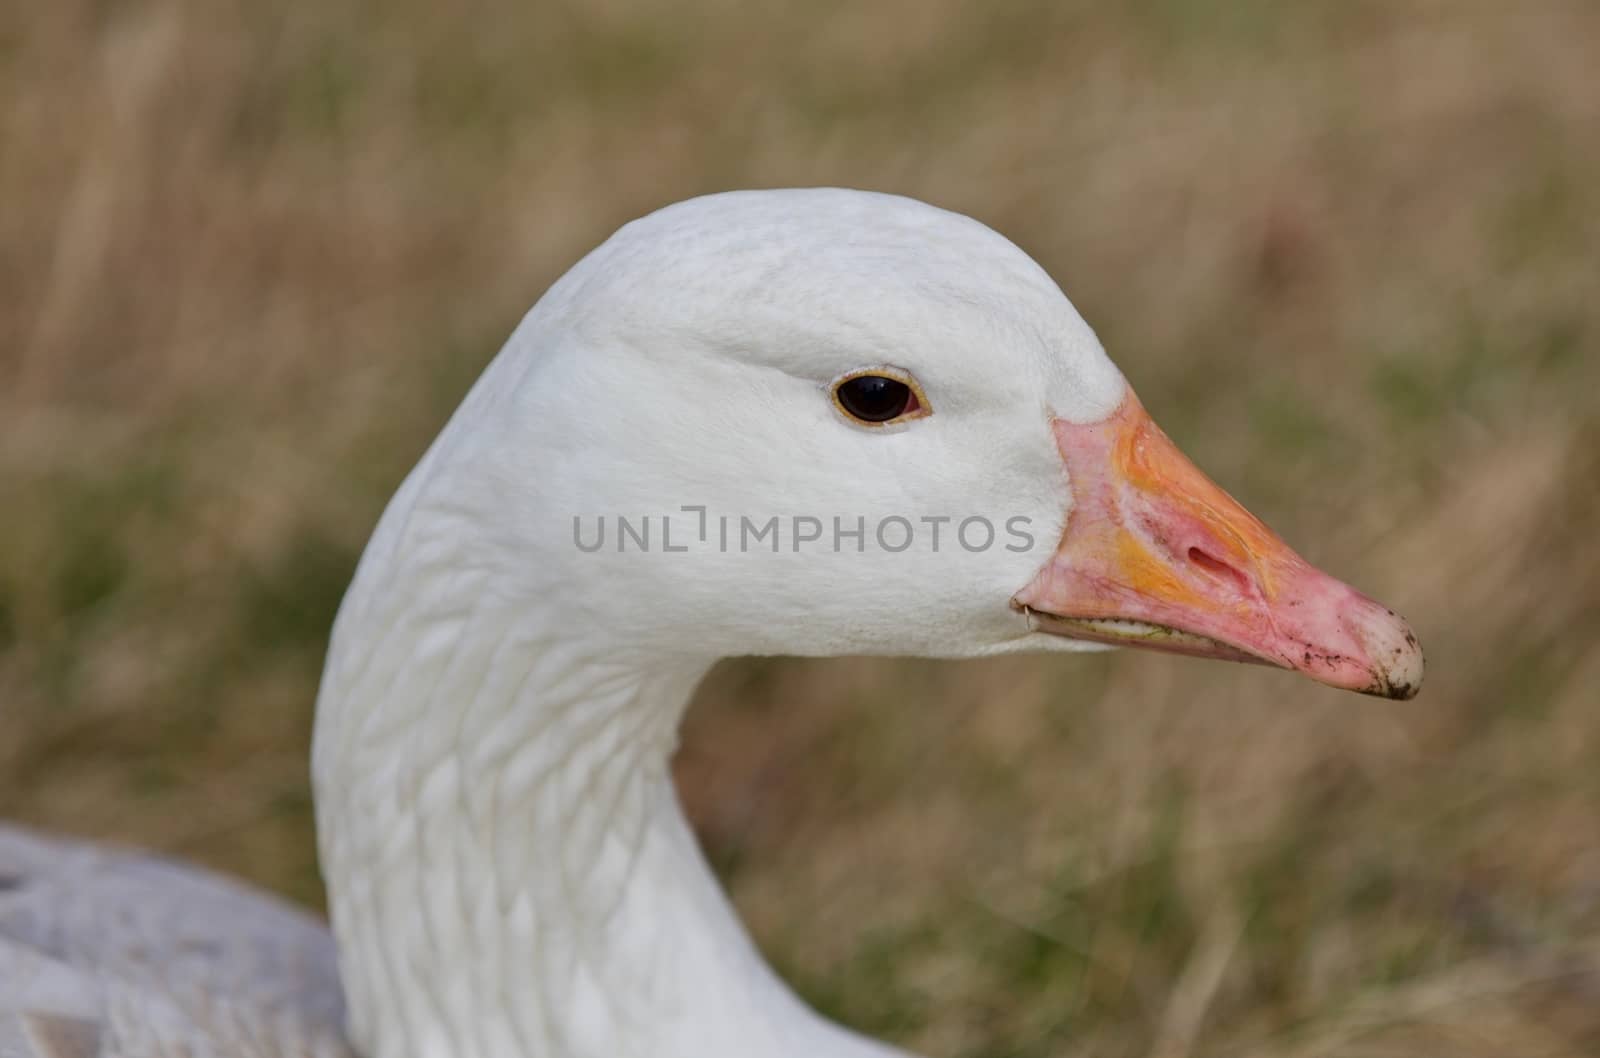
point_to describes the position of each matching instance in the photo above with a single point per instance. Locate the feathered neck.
(509, 872)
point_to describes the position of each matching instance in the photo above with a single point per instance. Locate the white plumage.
(509, 872)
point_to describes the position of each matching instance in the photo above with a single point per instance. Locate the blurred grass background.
(1348, 252)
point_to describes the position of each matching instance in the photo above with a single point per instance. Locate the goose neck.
(509, 872)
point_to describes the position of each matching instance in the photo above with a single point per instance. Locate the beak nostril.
(1216, 567)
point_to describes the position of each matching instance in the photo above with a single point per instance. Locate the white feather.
(509, 872)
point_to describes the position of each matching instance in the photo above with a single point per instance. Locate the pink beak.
(1156, 555)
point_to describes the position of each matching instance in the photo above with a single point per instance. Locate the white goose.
(955, 468)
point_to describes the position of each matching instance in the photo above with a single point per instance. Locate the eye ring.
(879, 396)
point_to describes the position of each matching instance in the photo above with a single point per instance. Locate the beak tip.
(1397, 662)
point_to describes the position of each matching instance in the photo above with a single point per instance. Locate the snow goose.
(780, 422)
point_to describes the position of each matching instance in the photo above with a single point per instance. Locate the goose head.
(823, 422)
(783, 422)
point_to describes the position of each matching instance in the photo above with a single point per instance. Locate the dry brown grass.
(1348, 252)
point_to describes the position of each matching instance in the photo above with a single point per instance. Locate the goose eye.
(876, 399)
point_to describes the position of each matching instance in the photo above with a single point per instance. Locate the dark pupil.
(873, 398)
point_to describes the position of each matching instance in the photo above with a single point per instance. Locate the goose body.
(110, 953)
(836, 376)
